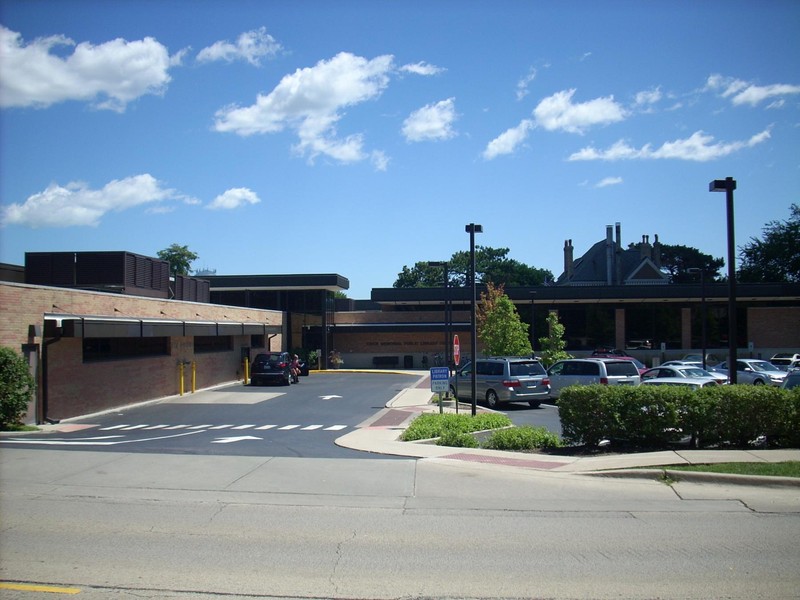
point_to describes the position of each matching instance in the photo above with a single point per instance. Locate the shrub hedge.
(654, 416)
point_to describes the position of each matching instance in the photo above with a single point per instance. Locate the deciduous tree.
(499, 326)
(775, 257)
(179, 257)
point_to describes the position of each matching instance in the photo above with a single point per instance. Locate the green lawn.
(781, 469)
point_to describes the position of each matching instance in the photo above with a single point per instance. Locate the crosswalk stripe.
(221, 426)
(311, 428)
(132, 427)
(263, 427)
(243, 426)
(336, 428)
(206, 426)
(114, 427)
(177, 426)
(156, 426)
(287, 427)
(231, 426)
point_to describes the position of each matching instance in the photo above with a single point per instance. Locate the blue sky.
(357, 137)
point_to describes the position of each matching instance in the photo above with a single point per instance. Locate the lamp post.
(727, 185)
(472, 229)
(447, 314)
(533, 324)
(702, 308)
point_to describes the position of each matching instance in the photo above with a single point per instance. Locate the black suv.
(271, 367)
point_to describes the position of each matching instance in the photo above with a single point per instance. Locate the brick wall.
(75, 388)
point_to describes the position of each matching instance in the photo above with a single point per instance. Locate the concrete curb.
(674, 475)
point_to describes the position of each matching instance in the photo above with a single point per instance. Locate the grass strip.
(779, 469)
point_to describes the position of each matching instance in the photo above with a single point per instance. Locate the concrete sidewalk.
(381, 435)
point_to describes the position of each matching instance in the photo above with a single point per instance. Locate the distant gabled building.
(608, 263)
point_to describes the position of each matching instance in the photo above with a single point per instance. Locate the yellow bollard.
(246, 371)
(180, 378)
(194, 377)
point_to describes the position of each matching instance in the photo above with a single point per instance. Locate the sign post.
(440, 382)
(457, 362)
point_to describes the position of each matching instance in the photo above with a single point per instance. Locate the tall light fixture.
(727, 185)
(472, 229)
(447, 315)
(702, 309)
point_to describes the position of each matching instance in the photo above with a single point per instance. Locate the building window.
(98, 349)
(257, 341)
(213, 343)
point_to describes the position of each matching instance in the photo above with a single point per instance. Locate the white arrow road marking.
(330, 397)
(239, 438)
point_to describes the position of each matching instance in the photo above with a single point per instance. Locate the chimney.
(568, 258)
(645, 249)
(618, 256)
(657, 251)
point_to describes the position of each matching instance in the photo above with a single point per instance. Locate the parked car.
(639, 364)
(792, 380)
(753, 371)
(585, 371)
(271, 367)
(502, 379)
(680, 381)
(785, 360)
(686, 369)
(608, 351)
(711, 359)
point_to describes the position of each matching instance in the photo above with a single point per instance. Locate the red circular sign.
(456, 350)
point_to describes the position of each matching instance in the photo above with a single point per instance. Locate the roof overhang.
(92, 326)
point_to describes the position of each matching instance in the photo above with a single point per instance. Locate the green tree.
(553, 345)
(776, 257)
(491, 265)
(677, 260)
(499, 326)
(16, 387)
(179, 257)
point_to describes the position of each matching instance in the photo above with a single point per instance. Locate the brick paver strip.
(511, 462)
(393, 418)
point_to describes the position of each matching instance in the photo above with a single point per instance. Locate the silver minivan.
(503, 379)
(585, 371)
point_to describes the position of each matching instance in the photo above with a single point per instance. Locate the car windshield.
(523, 369)
(623, 367)
(691, 372)
(761, 365)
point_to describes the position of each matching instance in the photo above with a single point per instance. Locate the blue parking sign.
(440, 379)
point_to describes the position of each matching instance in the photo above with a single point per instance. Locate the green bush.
(655, 416)
(523, 438)
(432, 425)
(457, 439)
(16, 387)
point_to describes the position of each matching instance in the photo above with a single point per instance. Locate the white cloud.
(422, 68)
(698, 147)
(234, 198)
(648, 97)
(379, 160)
(742, 92)
(431, 122)
(112, 74)
(77, 205)
(311, 101)
(250, 46)
(508, 141)
(607, 181)
(524, 83)
(557, 112)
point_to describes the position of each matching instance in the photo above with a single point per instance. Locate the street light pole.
(472, 229)
(533, 324)
(702, 309)
(727, 185)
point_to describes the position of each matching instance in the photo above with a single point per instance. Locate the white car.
(753, 371)
(785, 361)
(682, 371)
(719, 377)
(680, 381)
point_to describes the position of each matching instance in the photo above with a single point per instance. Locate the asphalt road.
(300, 420)
(150, 515)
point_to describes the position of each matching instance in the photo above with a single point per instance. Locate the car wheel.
(534, 403)
(287, 380)
(758, 382)
(491, 399)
